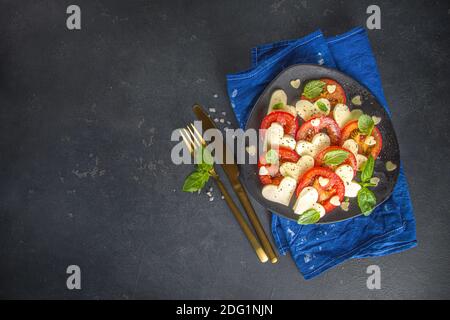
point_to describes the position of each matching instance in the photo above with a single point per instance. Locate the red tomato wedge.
(307, 131)
(335, 186)
(351, 131)
(274, 176)
(285, 119)
(338, 96)
(351, 160)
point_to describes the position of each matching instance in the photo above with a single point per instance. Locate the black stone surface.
(85, 124)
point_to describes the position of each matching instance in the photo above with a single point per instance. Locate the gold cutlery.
(194, 140)
(232, 172)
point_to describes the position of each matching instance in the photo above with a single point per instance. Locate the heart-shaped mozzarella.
(390, 166)
(288, 142)
(295, 170)
(345, 172)
(280, 194)
(307, 197)
(331, 88)
(323, 181)
(278, 96)
(323, 102)
(360, 161)
(351, 145)
(341, 114)
(273, 135)
(290, 109)
(370, 141)
(376, 120)
(356, 100)
(305, 109)
(335, 201)
(351, 189)
(355, 114)
(295, 83)
(263, 171)
(319, 142)
(375, 181)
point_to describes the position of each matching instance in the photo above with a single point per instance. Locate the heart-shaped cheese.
(307, 197)
(273, 136)
(331, 88)
(288, 142)
(360, 161)
(356, 100)
(376, 120)
(342, 114)
(295, 83)
(295, 170)
(278, 96)
(306, 110)
(280, 194)
(346, 173)
(319, 142)
(390, 166)
(351, 145)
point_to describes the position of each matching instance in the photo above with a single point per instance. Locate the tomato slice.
(351, 131)
(338, 96)
(287, 120)
(351, 160)
(307, 131)
(274, 176)
(335, 186)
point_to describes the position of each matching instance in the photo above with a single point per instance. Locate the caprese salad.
(314, 150)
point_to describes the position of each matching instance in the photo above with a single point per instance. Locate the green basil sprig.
(367, 169)
(278, 106)
(335, 157)
(197, 179)
(309, 217)
(366, 198)
(322, 106)
(313, 89)
(366, 201)
(366, 124)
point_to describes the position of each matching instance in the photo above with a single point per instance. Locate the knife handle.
(242, 223)
(254, 220)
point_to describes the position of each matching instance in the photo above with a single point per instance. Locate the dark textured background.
(86, 176)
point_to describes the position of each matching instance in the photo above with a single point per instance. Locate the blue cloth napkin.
(317, 248)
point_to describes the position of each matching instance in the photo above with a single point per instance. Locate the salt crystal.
(212, 109)
(222, 120)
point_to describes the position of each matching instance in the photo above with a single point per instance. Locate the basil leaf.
(313, 89)
(366, 124)
(272, 157)
(367, 170)
(195, 181)
(322, 106)
(309, 217)
(366, 201)
(278, 106)
(204, 159)
(335, 157)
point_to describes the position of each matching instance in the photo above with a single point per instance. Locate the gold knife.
(232, 172)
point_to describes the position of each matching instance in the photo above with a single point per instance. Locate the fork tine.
(197, 142)
(199, 136)
(186, 140)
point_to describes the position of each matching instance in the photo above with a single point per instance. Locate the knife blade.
(232, 172)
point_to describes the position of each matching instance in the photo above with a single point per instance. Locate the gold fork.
(194, 140)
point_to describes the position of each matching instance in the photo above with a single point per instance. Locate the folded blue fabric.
(316, 248)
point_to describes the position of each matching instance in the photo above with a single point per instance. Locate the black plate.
(389, 152)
